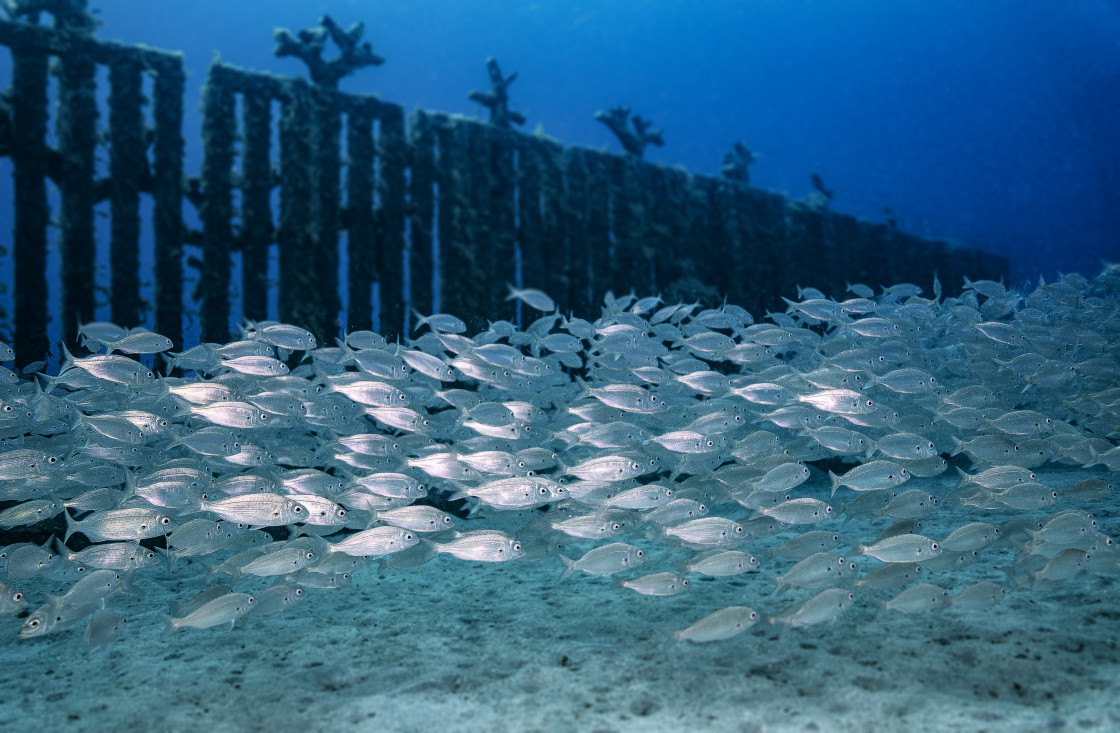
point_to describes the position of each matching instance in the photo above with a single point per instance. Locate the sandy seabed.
(462, 646)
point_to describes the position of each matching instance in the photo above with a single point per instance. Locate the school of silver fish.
(808, 449)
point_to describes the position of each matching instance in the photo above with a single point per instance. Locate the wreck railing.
(437, 214)
(71, 166)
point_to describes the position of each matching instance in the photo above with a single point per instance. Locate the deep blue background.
(991, 122)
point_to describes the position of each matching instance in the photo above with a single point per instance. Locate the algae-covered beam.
(308, 44)
(497, 99)
(361, 231)
(392, 153)
(634, 141)
(76, 131)
(32, 212)
(530, 154)
(597, 197)
(127, 168)
(71, 15)
(294, 234)
(256, 208)
(167, 159)
(218, 134)
(326, 163)
(421, 254)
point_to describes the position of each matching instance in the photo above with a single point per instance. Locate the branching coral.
(497, 99)
(633, 141)
(308, 44)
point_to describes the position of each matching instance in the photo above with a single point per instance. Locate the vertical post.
(167, 157)
(458, 267)
(500, 241)
(712, 253)
(393, 154)
(450, 219)
(361, 239)
(598, 196)
(530, 163)
(421, 193)
(576, 210)
(628, 224)
(327, 152)
(76, 127)
(256, 207)
(218, 131)
(127, 168)
(297, 280)
(554, 224)
(29, 156)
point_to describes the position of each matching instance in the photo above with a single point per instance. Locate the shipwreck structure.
(430, 211)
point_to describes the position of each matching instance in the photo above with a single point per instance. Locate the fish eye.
(641, 553)
(517, 547)
(33, 623)
(934, 546)
(309, 554)
(165, 521)
(297, 509)
(17, 596)
(738, 529)
(446, 519)
(407, 536)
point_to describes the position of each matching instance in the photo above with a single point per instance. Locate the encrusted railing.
(437, 212)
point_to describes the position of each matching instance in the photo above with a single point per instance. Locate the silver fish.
(719, 626)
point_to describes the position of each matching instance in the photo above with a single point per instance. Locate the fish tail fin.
(421, 320)
(169, 626)
(835, 481)
(964, 477)
(513, 294)
(170, 555)
(71, 526)
(67, 360)
(958, 447)
(569, 567)
(584, 390)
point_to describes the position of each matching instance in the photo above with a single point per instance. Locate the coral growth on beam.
(634, 141)
(71, 15)
(307, 45)
(497, 99)
(736, 163)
